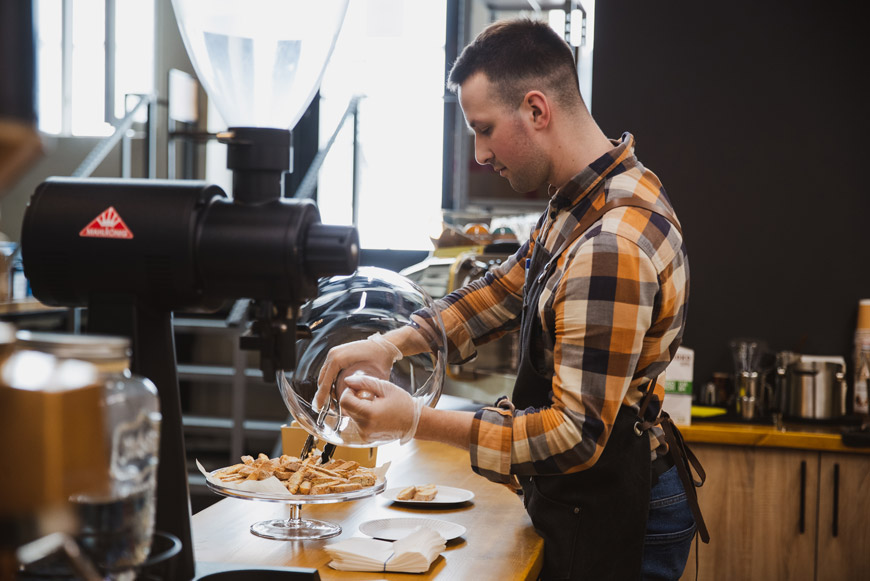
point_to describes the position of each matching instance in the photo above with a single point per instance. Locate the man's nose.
(482, 154)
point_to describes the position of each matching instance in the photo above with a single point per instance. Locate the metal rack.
(240, 378)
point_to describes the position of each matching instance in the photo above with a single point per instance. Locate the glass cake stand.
(296, 528)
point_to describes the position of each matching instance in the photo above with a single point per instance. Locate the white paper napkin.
(412, 554)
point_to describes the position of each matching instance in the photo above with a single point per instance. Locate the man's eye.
(485, 130)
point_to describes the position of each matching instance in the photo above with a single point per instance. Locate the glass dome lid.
(351, 308)
(260, 61)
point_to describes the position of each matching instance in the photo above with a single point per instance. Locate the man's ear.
(538, 107)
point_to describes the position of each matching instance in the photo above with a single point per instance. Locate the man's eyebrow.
(472, 125)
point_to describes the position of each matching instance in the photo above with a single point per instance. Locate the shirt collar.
(614, 162)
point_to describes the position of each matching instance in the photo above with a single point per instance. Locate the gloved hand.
(373, 356)
(381, 410)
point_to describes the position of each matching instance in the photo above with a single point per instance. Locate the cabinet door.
(844, 516)
(760, 508)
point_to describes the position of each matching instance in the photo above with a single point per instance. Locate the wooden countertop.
(500, 542)
(800, 436)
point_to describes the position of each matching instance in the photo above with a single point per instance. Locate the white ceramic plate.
(446, 495)
(393, 529)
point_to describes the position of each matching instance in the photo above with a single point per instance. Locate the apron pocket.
(558, 524)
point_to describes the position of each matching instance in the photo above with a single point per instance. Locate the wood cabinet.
(844, 517)
(785, 514)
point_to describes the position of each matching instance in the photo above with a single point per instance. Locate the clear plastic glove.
(380, 409)
(373, 356)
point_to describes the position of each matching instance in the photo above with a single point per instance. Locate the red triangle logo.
(107, 225)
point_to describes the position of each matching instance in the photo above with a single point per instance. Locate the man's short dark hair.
(518, 56)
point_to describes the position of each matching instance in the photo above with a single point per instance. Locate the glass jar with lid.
(116, 522)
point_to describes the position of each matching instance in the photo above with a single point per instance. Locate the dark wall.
(17, 70)
(750, 113)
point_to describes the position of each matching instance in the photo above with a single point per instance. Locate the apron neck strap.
(593, 215)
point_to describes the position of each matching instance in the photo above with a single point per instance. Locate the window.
(73, 70)
(581, 23)
(392, 53)
(479, 189)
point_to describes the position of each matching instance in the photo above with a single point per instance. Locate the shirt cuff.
(491, 438)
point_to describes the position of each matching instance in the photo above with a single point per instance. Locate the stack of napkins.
(412, 554)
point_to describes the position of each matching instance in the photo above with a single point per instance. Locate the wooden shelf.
(29, 306)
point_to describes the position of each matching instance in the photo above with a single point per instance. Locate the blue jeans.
(670, 529)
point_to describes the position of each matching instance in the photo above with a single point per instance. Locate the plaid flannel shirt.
(612, 312)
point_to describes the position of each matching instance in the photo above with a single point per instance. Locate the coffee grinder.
(134, 251)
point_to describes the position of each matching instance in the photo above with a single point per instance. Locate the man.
(598, 294)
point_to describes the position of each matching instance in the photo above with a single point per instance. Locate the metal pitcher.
(815, 389)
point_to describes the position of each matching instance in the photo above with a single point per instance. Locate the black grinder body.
(133, 251)
(184, 244)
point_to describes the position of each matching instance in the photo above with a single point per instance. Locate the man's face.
(503, 136)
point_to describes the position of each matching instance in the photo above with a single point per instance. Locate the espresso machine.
(134, 251)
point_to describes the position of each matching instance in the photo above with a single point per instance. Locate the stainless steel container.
(815, 390)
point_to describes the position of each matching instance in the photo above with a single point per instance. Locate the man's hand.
(381, 410)
(373, 356)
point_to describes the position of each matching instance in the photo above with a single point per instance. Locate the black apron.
(593, 522)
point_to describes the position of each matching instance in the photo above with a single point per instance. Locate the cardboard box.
(678, 386)
(293, 438)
